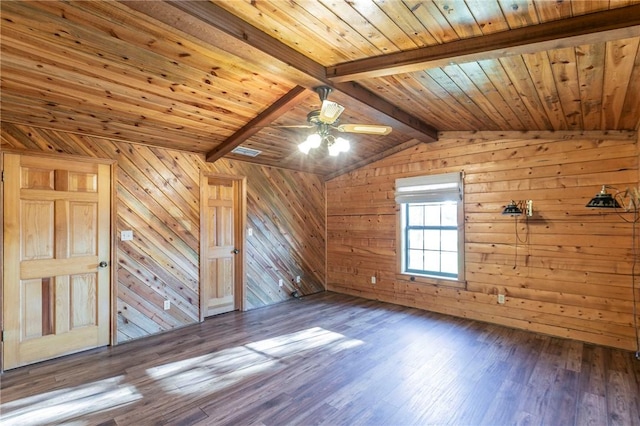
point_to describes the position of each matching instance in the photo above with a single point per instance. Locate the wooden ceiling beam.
(213, 25)
(614, 24)
(417, 128)
(282, 105)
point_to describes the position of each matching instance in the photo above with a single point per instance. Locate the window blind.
(431, 188)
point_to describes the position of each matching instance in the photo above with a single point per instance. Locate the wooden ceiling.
(209, 76)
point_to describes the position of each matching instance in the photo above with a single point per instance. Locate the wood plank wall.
(158, 197)
(573, 277)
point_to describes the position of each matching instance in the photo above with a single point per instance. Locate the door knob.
(103, 264)
(236, 251)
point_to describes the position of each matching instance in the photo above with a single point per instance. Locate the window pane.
(415, 260)
(449, 240)
(432, 239)
(449, 214)
(432, 261)
(416, 215)
(416, 239)
(450, 262)
(432, 215)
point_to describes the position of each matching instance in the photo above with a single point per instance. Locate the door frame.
(112, 237)
(240, 219)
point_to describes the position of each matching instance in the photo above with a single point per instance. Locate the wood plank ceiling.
(208, 76)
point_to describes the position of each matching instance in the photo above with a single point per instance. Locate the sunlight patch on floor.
(301, 342)
(59, 405)
(211, 373)
(214, 372)
(198, 375)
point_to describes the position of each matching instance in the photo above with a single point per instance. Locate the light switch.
(126, 235)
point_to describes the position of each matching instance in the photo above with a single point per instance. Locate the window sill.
(436, 281)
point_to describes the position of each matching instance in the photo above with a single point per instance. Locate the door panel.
(37, 229)
(35, 309)
(57, 231)
(83, 221)
(83, 300)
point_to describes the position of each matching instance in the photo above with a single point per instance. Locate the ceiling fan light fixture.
(337, 146)
(304, 147)
(324, 120)
(343, 144)
(334, 150)
(313, 140)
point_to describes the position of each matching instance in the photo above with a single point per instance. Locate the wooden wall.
(573, 277)
(158, 197)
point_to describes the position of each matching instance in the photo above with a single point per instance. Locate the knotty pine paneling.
(157, 196)
(571, 279)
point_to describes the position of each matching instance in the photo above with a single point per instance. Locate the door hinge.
(2, 179)
(2, 336)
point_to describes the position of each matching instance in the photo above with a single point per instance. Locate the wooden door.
(221, 246)
(56, 281)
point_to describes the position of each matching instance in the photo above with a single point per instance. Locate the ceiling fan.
(325, 119)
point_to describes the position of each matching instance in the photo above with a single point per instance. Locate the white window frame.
(430, 189)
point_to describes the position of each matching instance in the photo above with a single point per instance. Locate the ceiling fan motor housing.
(314, 117)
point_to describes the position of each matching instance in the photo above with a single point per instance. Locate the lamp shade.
(304, 147)
(343, 144)
(512, 209)
(314, 140)
(603, 200)
(334, 149)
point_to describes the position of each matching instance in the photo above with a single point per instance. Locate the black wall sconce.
(517, 208)
(603, 200)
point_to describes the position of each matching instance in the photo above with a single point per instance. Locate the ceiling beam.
(614, 24)
(210, 23)
(418, 129)
(275, 110)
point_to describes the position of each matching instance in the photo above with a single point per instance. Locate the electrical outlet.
(280, 282)
(298, 279)
(501, 298)
(126, 235)
(373, 279)
(167, 305)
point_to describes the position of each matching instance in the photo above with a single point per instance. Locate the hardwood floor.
(332, 359)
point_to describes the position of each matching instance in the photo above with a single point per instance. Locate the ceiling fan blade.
(369, 129)
(330, 112)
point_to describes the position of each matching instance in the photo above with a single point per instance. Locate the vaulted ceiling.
(209, 76)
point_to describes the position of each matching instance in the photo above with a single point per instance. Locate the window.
(431, 226)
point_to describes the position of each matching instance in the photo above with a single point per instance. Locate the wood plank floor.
(334, 360)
